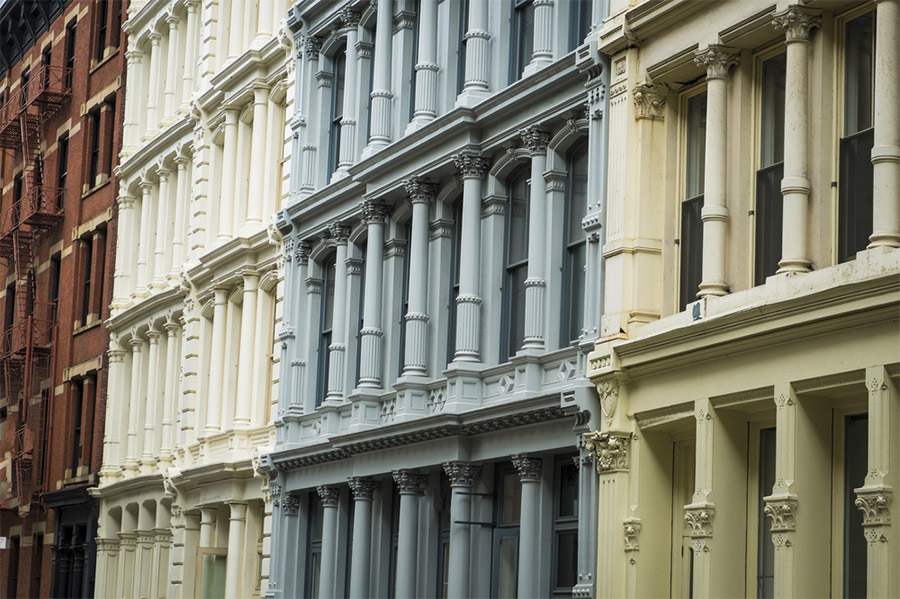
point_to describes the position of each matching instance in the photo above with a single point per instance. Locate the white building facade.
(443, 285)
(197, 300)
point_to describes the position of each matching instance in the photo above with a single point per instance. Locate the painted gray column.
(372, 334)
(380, 127)
(717, 60)
(886, 149)
(462, 477)
(529, 470)
(536, 283)
(350, 22)
(542, 54)
(148, 457)
(363, 490)
(472, 167)
(234, 564)
(410, 485)
(587, 519)
(478, 39)
(595, 232)
(797, 23)
(427, 68)
(214, 399)
(243, 401)
(338, 346)
(415, 355)
(329, 497)
(307, 158)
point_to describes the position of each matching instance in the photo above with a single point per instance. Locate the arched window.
(518, 188)
(339, 62)
(575, 245)
(326, 321)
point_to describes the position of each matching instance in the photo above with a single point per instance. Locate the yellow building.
(748, 364)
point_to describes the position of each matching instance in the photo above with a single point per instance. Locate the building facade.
(61, 97)
(443, 285)
(197, 298)
(748, 364)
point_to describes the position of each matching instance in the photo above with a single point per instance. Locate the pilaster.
(462, 477)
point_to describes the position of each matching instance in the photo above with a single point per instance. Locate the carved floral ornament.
(373, 212)
(782, 512)
(610, 451)
(420, 190)
(797, 23)
(529, 469)
(462, 474)
(363, 488)
(650, 101)
(608, 391)
(339, 232)
(329, 496)
(471, 164)
(699, 521)
(875, 507)
(410, 482)
(535, 139)
(717, 60)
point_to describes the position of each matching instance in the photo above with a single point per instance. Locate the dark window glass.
(37, 562)
(12, 585)
(46, 57)
(855, 222)
(768, 210)
(108, 155)
(70, 53)
(26, 93)
(522, 37)
(314, 545)
(117, 25)
(102, 27)
(455, 241)
(856, 458)
(579, 22)
(463, 26)
(518, 189)
(88, 268)
(691, 226)
(55, 272)
(573, 269)
(100, 259)
(10, 306)
(18, 190)
(404, 298)
(337, 110)
(765, 560)
(95, 148)
(443, 576)
(76, 432)
(326, 319)
(508, 502)
(62, 153)
(565, 526)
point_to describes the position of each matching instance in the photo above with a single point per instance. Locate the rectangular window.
(212, 564)
(314, 545)
(522, 38)
(12, 582)
(765, 557)
(23, 83)
(856, 441)
(326, 319)
(507, 507)
(62, 170)
(55, 272)
(37, 562)
(100, 265)
(18, 190)
(576, 246)
(579, 22)
(102, 27)
(95, 148)
(339, 62)
(855, 172)
(109, 135)
(443, 560)
(455, 243)
(46, 57)
(117, 24)
(78, 401)
(691, 240)
(565, 526)
(70, 53)
(404, 297)
(768, 210)
(88, 253)
(519, 190)
(462, 27)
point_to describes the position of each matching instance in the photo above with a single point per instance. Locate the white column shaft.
(338, 327)
(112, 457)
(536, 283)
(123, 282)
(191, 55)
(134, 100)
(715, 211)
(427, 67)
(235, 28)
(134, 404)
(264, 26)
(168, 414)
(349, 120)
(244, 398)
(182, 204)
(272, 166)
(150, 414)
(214, 399)
(407, 539)
(229, 165)
(886, 149)
(236, 555)
(468, 327)
(146, 227)
(172, 55)
(362, 549)
(258, 158)
(477, 47)
(542, 54)
(152, 89)
(160, 268)
(329, 549)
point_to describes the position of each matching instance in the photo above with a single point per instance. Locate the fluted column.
(123, 277)
(338, 346)
(542, 54)
(236, 555)
(328, 564)
(529, 470)
(797, 23)
(172, 55)
(191, 55)
(363, 490)
(426, 100)
(886, 149)
(182, 203)
(350, 21)
(410, 485)
(472, 167)
(143, 264)
(214, 399)
(371, 335)
(243, 402)
(717, 60)
(148, 457)
(153, 87)
(258, 160)
(380, 127)
(536, 283)
(462, 477)
(172, 367)
(229, 164)
(314, 95)
(134, 403)
(477, 55)
(134, 99)
(421, 194)
(112, 456)
(160, 269)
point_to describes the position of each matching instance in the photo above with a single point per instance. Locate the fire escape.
(28, 334)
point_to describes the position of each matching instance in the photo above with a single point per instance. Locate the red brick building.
(62, 65)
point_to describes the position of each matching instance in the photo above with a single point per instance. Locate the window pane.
(855, 178)
(769, 217)
(507, 571)
(523, 21)
(511, 499)
(695, 161)
(518, 218)
(691, 250)
(329, 295)
(772, 117)
(578, 193)
(516, 292)
(566, 560)
(568, 491)
(576, 287)
(314, 573)
(765, 561)
(855, 466)
(859, 74)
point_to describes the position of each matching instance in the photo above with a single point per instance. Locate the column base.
(883, 239)
(158, 283)
(417, 123)
(534, 66)
(793, 266)
(464, 390)
(367, 410)
(148, 465)
(373, 148)
(141, 292)
(339, 174)
(469, 98)
(412, 400)
(716, 288)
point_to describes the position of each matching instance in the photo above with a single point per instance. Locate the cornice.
(228, 261)
(154, 305)
(160, 145)
(644, 21)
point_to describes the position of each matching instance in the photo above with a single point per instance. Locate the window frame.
(71, 37)
(404, 297)
(682, 299)
(62, 169)
(87, 257)
(504, 531)
(102, 29)
(569, 248)
(507, 314)
(562, 524)
(94, 148)
(324, 334)
(336, 113)
(455, 252)
(519, 57)
(77, 430)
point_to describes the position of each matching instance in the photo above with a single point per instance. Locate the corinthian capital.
(717, 60)
(535, 139)
(373, 212)
(410, 482)
(529, 469)
(363, 487)
(339, 232)
(650, 101)
(471, 164)
(420, 190)
(349, 17)
(797, 23)
(312, 46)
(461, 474)
(329, 495)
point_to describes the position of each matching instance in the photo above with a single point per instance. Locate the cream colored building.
(193, 371)
(748, 363)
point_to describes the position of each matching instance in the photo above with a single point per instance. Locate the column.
(313, 98)
(350, 21)
(182, 203)
(143, 263)
(172, 54)
(134, 100)
(229, 164)
(148, 458)
(536, 283)
(462, 477)
(363, 490)
(529, 471)
(472, 167)
(244, 400)
(112, 456)
(208, 527)
(214, 397)
(234, 564)
(717, 60)
(124, 250)
(886, 149)
(338, 346)
(134, 403)
(172, 366)
(371, 335)
(421, 194)
(380, 127)
(797, 23)
(191, 56)
(327, 567)
(160, 268)
(274, 153)
(478, 37)
(264, 22)
(235, 28)
(425, 107)
(410, 485)
(258, 160)
(542, 54)
(152, 95)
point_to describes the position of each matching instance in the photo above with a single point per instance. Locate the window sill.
(108, 54)
(91, 190)
(78, 329)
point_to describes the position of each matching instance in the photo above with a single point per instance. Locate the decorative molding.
(275, 494)
(650, 101)
(528, 469)
(609, 450)
(608, 391)
(781, 512)
(363, 488)
(304, 249)
(699, 520)
(373, 212)
(339, 232)
(410, 482)
(471, 164)
(348, 16)
(329, 495)
(875, 505)
(797, 23)
(632, 530)
(420, 190)
(717, 60)
(535, 139)
(461, 474)
(290, 505)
